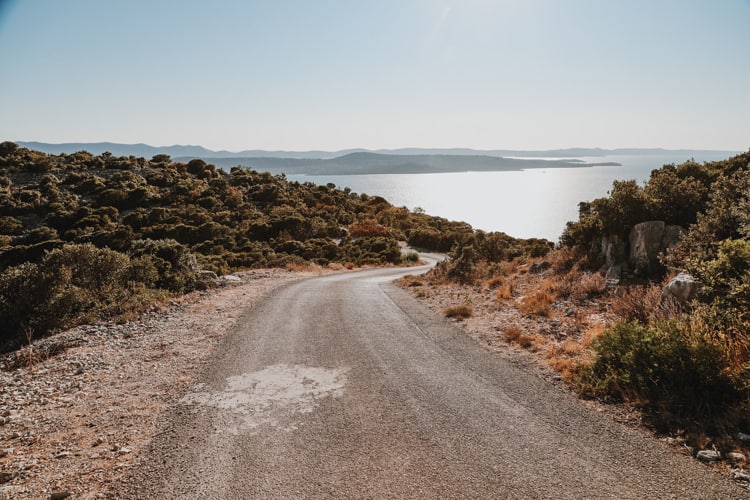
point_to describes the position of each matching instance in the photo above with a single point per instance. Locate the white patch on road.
(272, 396)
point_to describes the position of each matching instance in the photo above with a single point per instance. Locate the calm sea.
(527, 203)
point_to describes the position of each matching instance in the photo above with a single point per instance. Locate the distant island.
(379, 163)
(362, 161)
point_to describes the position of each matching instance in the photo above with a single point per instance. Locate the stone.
(739, 475)
(647, 240)
(736, 457)
(613, 276)
(613, 251)
(645, 244)
(745, 438)
(59, 495)
(681, 289)
(209, 274)
(708, 456)
(539, 267)
(7, 476)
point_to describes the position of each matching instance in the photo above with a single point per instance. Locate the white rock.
(709, 456)
(736, 457)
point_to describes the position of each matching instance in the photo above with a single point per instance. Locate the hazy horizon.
(335, 75)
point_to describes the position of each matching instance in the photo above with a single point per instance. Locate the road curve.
(345, 387)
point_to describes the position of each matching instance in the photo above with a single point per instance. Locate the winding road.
(344, 386)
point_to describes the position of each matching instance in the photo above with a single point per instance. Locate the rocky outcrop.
(647, 241)
(640, 254)
(613, 251)
(681, 289)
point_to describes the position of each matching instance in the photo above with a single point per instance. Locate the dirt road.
(345, 387)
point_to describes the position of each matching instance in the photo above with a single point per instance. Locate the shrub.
(177, 267)
(368, 228)
(512, 332)
(504, 292)
(462, 268)
(670, 369)
(637, 303)
(536, 303)
(460, 312)
(410, 258)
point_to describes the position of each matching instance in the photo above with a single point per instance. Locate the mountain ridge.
(197, 151)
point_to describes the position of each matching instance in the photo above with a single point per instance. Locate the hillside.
(376, 163)
(645, 302)
(155, 227)
(183, 152)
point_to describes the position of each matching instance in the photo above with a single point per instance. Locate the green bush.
(71, 284)
(677, 374)
(176, 266)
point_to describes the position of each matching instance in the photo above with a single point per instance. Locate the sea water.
(526, 203)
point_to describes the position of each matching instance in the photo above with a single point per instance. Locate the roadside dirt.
(552, 343)
(77, 408)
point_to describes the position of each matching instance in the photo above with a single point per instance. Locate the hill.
(84, 236)
(378, 163)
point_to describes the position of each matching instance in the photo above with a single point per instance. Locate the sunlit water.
(528, 203)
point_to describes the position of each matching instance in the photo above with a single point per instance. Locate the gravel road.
(345, 387)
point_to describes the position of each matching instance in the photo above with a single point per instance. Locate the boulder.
(613, 251)
(613, 276)
(708, 456)
(539, 267)
(680, 289)
(647, 241)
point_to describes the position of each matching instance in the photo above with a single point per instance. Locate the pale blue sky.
(526, 74)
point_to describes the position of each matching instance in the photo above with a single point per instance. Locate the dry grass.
(460, 312)
(567, 367)
(536, 303)
(564, 259)
(512, 332)
(494, 282)
(588, 285)
(637, 303)
(505, 292)
(527, 342)
(578, 285)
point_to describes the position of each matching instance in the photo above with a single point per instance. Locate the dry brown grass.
(527, 342)
(536, 303)
(637, 303)
(299, 267)
(567, 367)
(505, 292)
(578, 285)
(587, 285)
(512, 332)
(564, 259)
(460, 312)
(494, 282)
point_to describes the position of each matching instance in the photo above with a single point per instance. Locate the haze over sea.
(534, 203)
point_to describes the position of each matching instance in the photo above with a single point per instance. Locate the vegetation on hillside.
(85, 237)
(686, 365)
(689, 367)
